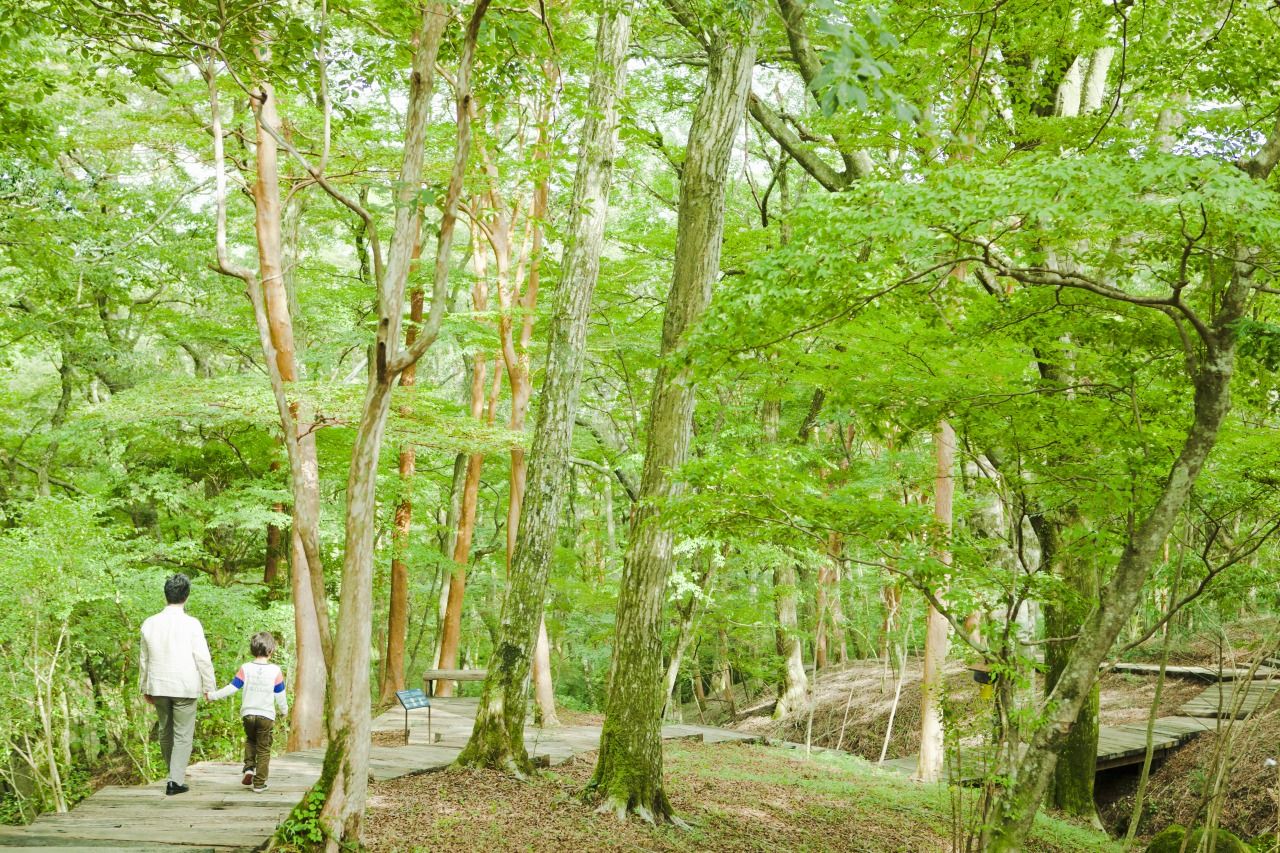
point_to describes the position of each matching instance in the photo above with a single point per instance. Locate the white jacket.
(175, 657)
(263, 686)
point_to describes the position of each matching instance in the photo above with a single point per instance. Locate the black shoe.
(174, 788)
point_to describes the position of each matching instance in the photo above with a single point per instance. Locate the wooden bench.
(431, 676)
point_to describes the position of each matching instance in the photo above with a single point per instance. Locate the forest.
(884, 392)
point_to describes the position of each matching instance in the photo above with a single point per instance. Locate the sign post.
(411, 699)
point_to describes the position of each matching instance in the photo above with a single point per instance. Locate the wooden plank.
(35, 843)
(455, 674)
(1191, 725)
(1236, 700)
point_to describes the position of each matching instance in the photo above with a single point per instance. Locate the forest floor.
(854, 702)
(734, 798)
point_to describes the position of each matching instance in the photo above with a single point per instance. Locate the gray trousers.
(177, 731)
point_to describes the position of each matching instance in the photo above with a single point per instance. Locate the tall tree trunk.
(1071, 788)
(515, 354)
(451, 630)
(891, 601)
(448, 540)
(275, 550)
(725, 668)
(311, 617)
(835, 579)
(1073, 776)
(544, 694)
(793, 685)
(398, 607)
(306, 717)
(497, 739)
(821, 616)
(688, 613)
(344, 777)
(628, 775)
(937, 629)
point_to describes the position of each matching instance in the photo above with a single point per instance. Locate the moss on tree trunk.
(1073, 777)
(628, 775)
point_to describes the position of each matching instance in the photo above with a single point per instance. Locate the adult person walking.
(175, 671)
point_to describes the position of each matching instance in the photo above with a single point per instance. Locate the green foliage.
(139, 437)
(853, 75)
(302, 829)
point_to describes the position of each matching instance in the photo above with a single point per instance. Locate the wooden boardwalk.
(1119, 746)
(219, 814)
(1208, 673)
(1236, 700)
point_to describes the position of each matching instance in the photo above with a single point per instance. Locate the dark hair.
(176, 589)
(262, 644)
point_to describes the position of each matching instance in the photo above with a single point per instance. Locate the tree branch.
(1259, 166)
(786, 138)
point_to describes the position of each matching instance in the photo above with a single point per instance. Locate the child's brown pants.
(257, 747)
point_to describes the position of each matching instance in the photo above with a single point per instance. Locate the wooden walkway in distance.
(1119, 746)
(1226, 673)
(218, 814)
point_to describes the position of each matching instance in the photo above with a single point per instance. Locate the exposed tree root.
(655, 812)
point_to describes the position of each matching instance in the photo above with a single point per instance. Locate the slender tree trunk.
(684, 635)
(937, 629)
(835, 548)
(398, 607)
(447, 542)
(543, 691)
(311, 622)
(793, 684)
(821, 609)
(1073, 777)
(306, 717)
(628, 775)
(891, 601)
(515, 354)
(726, 674)
(497, 739)
(451, 631)
(275, 550)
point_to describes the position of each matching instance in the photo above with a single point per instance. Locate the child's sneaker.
(248, 778)
(258, 789)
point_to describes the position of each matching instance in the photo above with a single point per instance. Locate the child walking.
(263, 686)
